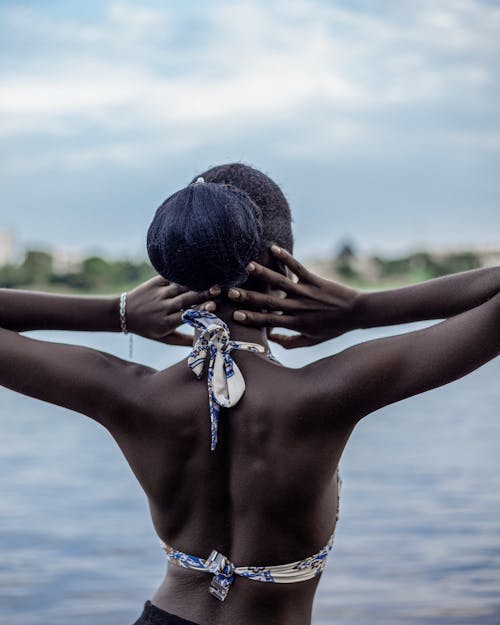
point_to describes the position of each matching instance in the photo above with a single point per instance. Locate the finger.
(174, 320)
(292, 263)
(273, 278)
(174, 317)
(192, 298)
(291, 341)
(259, 319)
(264, 300)
(173, 290)
(159, 281)
(177, 338)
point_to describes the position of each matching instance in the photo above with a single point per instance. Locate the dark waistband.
(152, 615)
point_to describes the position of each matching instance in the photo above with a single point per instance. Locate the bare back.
(266, 495)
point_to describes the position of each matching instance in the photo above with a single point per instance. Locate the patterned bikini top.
(225, 388)
(224, 378)
(224, 571)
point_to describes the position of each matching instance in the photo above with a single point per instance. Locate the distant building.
(65, 260)
(489, 257)
(7, 247)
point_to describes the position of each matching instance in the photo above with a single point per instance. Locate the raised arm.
(320, 309)
(33, 310)
(93, 383)
(376, 373)
(438, 298)
(153, 311)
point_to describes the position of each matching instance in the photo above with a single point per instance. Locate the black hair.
(205, 234)
(208, 232)
(265, 193)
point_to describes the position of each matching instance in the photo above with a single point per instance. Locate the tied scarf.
(224, 378)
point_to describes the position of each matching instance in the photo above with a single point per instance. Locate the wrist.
(122, 315)
(113, 313)
(359, 313)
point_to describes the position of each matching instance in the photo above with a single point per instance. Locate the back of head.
(205, 234)
(208, 232)
(265, 193)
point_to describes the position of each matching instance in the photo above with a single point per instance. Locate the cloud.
(247, 61)
(395, 100)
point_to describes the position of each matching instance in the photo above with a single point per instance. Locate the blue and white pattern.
(224, 571)
(225, 381)
(225, 388)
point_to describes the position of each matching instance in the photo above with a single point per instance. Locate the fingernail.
(233, 293)
(210, 306)
(250, 267)
(276, 249)
(239, 316)
(214, 290)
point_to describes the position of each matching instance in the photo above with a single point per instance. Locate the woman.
(243, 487)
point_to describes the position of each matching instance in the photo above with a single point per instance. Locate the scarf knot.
(224, 379)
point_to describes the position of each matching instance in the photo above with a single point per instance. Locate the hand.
(316, 308)
(154, 309)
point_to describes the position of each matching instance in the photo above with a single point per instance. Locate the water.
(418, 541)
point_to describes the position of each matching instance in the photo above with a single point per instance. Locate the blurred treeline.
(426, 266)
(98, 275)
(372, 271)
(362, 271)
(93, 274)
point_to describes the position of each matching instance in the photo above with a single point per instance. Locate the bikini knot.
(225, 380)
(223, 570)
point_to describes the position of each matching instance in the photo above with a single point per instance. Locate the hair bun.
(205, 234)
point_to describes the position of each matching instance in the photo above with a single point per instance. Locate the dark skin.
(153, 311)
(267, 494)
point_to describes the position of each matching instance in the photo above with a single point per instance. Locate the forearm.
(438, 298)
(31, 310)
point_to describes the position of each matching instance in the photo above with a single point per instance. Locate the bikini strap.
(224, 571)
(224, 378)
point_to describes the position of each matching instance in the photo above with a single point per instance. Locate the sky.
(379, 119)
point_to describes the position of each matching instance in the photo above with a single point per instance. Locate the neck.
(240, 332)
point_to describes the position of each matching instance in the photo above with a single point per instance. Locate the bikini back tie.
(224, 571)
(224, 378)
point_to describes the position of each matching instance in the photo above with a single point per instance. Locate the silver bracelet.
(123, 312)
(123, 323)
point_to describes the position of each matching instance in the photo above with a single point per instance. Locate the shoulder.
(323, 390)
(150, 398)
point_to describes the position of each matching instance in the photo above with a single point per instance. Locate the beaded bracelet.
(123, 322)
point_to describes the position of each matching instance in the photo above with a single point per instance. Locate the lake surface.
(418, 541)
